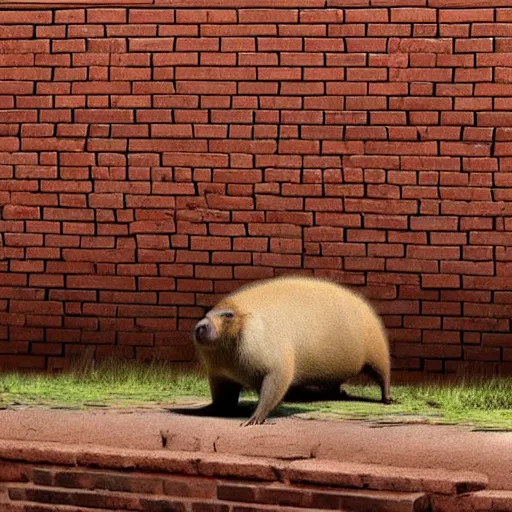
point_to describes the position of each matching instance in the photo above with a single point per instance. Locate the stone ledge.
(386, 478)
(318, 472)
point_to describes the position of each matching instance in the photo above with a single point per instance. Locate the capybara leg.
(274, 387)
(225, 395)
(335, 392)
(385, 391)
(383, 381)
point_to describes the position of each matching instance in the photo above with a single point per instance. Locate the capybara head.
(218, 325)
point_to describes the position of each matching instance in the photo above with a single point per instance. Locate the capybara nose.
(201, 332)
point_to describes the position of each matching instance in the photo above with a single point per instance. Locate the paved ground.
(422, 446)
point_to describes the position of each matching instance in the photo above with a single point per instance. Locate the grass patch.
(116, 384)
(483, 403)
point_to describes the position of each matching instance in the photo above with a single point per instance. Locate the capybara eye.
(227, 314)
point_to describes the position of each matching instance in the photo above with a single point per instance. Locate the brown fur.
(289, 331)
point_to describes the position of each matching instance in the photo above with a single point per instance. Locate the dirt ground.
(417, 445)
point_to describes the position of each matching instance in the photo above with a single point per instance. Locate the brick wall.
(155, 156)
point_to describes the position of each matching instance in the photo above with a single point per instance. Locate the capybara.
(289, 331)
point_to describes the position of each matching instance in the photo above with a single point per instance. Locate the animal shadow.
(242, 410)
(295, 395)
(312, 394)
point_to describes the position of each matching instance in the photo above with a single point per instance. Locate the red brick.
(415, 74)
(413, 15)
(490, 29)
(465, 15)
(321, 16)
(440, 281)
(26, 17)
(434, 223)
(366, 15)
(151, 16)
(420, 45)
(268, 15)
(101, 282)
(388, 29)
(19, 362)
(108, 15)
(366, 44)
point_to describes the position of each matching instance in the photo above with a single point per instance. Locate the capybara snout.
(205, 331)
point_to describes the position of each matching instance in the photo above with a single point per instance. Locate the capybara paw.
(253, 420)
